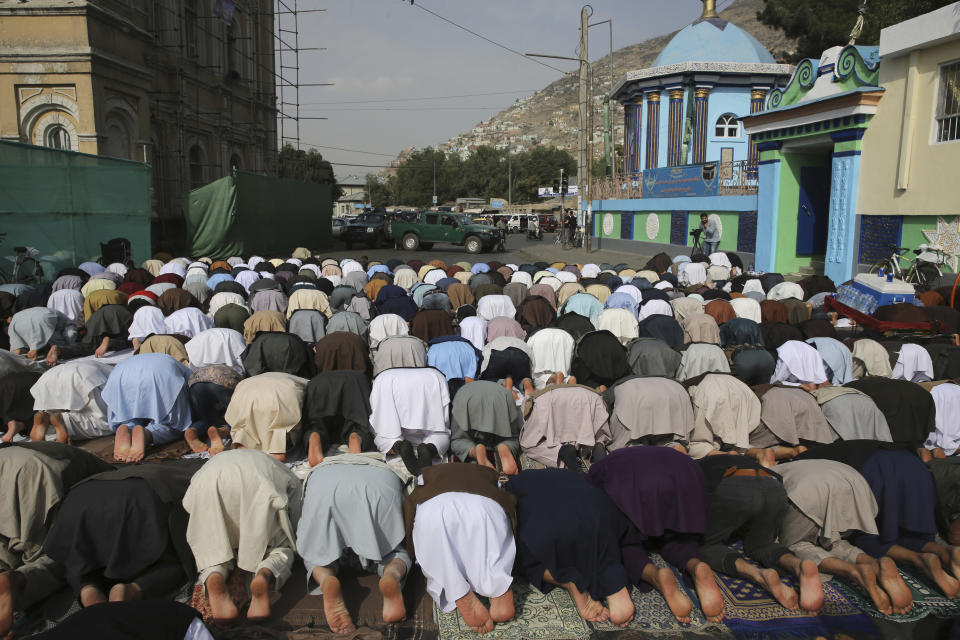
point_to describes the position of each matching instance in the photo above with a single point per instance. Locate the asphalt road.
(518, 250)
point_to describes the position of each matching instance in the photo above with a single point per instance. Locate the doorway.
(813, 211)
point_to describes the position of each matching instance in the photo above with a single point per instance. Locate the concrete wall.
(904, 172)
(735, 100)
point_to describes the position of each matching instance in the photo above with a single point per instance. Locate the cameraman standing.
(711, 235)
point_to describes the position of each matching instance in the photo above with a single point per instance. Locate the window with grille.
(727, 126)
(948, 103)
(57, 137)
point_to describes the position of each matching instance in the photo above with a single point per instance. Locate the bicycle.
(923, 270)
(26, 268)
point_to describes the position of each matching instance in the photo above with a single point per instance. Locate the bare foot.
(866, 576)
(31, 355)
(766, 457)
(528, 386)
(901, 599)
(393, 607)
(925, 455)
(939, 453)
(13, 428)
(501, 607)
(934, 570)
(41, 421)
(334, 609)
(259, 608)
(570, 380)
(279, 457)
(125, 592)
(507, 461)
(473, 613)
(354, 443)
(314, 449)
(811, 589)
(480, 453)
(53, 354)
(590, 610)
(787, 597)
(222, 607)
(680, 605)
(216, 442)
(953, 536)
(138, 444)
(711, 602)
(556, 378)
(601, 388)
(508, 385)
(676, 446)
(90, 595)
(11, 588)
(121, 444)
(621, 607)
(56, 419)
(196, 444)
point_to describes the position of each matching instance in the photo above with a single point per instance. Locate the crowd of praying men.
(556, 423)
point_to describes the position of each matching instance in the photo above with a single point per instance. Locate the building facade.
(907, 193)
(187, 86)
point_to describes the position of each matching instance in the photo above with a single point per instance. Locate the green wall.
(728, 219)
(787, 260)
(911, 233)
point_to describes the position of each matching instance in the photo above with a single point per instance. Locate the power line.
(464, 95)
(482, 37)
(500, 108)
(370, 153)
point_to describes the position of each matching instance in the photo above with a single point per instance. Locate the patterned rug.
(927, 598)
(555, 616)
(752, 614)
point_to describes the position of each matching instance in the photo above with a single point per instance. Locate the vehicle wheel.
(426, 246)
(375, 244)
(411, 242)
(473, 244)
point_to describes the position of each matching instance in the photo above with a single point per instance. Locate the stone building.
(187, 86)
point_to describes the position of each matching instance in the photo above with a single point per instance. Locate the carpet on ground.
(928, 600)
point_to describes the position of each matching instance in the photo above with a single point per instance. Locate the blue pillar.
(768, 195)
(841, 260)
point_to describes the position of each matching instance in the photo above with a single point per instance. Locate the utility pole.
(434, 179)
(563, 214)
(583, 160)
(509, 177)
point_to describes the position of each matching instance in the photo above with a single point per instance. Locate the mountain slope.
(549, 116)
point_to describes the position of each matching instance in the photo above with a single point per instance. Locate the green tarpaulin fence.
(64, 204)
(249, 214)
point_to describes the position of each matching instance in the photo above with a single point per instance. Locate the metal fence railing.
(733, 178)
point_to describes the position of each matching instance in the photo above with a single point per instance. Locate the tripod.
(696, 248)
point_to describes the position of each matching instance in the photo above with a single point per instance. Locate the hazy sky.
(382, 53)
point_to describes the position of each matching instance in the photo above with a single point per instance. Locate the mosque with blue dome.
(685, 108)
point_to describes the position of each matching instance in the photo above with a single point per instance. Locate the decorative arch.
(45, 126)
(197, 165)
(48, 109)
(727, 126)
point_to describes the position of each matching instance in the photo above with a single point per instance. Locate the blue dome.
(713, 40)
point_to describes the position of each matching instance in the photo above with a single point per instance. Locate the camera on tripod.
(696, 233)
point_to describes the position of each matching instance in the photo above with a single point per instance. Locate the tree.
(307, 166)
(818, 24)
(378, 192)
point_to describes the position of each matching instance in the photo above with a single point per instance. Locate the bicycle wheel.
(925, 274)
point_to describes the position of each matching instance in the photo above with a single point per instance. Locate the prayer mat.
(103, 449)
(927, 598)
(555, 616)
(751, 613)
(300, 615)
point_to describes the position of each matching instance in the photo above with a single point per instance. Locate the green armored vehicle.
(428, 227)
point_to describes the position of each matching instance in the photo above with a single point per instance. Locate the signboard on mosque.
(696, 180)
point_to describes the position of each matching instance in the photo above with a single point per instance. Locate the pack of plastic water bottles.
(856, 299)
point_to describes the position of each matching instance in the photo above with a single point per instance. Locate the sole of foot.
(314, 449)
(621, 608)
(11, 586)
(354, 443)
(196, 444)
(867, 578)
(474, 613)
(56, 419)
(589, 609)
(502, 608)
(811, 589)
(125, 593)
(901, 599)
(90, 595)
(680, 605)
(711, 601)
(393, 607)
(216, 441)
(934, 570)
(783, 594)
(222, 607)
(259, 609)
(138, 444)
(121, 443)
(507, 461)
(334, 608)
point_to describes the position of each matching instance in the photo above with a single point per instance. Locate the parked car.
(369, 228)
(548, 222)
(434, 226)
(337, 225)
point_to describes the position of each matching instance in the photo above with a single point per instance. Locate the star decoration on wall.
(946, 237)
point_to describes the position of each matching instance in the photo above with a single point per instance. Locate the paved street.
(519, 250)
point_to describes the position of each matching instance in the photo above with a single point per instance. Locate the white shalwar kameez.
(411, 404)
(465, 543)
